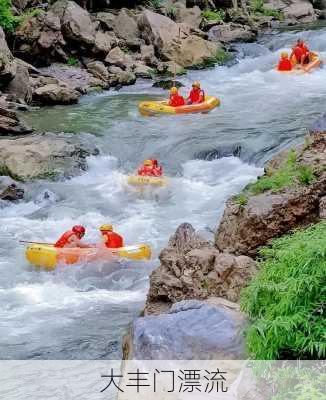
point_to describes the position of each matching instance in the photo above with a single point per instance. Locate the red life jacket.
(113, 240)
(150, 171)
(284, 65)
(64, 239)
(176, 100)
(197, 95)
(298, 52)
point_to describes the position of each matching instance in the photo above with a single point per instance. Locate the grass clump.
(72, 61)
(241, 199)
(286, 300)
(287, 175)
(216, 15)
(154, 4)
(171, 12)
(257, 7)
(6, 171)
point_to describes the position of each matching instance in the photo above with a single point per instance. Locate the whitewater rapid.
(82, 312)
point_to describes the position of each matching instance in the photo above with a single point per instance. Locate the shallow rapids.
(82, 312)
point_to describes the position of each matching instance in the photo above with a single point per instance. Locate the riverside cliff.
(191, 310)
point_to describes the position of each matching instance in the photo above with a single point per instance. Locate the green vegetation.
(72, 61)
(49, 175)
(171, 12)
(292, 381)
(257, 7)
(216, 15)
(155, 4)
(241, 199)
(287, 175)
(10, 22)
(7, 20)
(221, 57)
(286, 300)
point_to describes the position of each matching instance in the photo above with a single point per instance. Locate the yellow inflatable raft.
(315, 62)
(137, 180)
(148, 108)
(48, 256)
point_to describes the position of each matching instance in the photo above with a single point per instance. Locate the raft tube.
(48, 256)
(137, 180)
(149, 108)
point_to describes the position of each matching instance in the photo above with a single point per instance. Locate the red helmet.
(79, 230)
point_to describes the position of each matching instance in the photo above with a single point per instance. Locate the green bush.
(286, 300)
(287, 175)
(155, 4)
(257, 7)
(171, 12)
(241, 199)
(216, 15)
(220, 58)
(7, 20)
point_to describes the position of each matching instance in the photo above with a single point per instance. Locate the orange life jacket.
(284, 65)
(150, 171)
(65, 239)
(113, 240)
(197, 95)
(176, 100)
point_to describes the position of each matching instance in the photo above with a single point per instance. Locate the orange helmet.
(196, 84)
(284, 54)
(148, 163)
(174, 90)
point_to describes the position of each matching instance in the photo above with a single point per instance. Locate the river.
(82, 312)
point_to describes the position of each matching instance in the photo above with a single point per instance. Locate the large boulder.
(293, 10)
(106, 20)
(125, 27)
(190, 16)
(8, 65)
(173, 42)
(231, 32)
(193, 268)
(55, 94)
(76, 22)
(244, 228)
(119, 58)
(20, 87)
(10, 123)
(44, 156)
(10, 190)
(104, 42)
(190, 330)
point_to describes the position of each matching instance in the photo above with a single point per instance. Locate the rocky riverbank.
(194, 272)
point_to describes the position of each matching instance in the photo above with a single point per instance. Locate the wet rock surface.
(45, 156)
(189, 330)
(10, 123)
(10, 190)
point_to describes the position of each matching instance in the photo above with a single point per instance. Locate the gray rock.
(119, 58)
(47, 156)
(8, 65)
(10, 123)
(20, 87)
(190, 330)
(230, 32)
(55, 94)
(10, 190)
(99, 70)
(319, 125)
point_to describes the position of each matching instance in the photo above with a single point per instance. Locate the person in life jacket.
(176, 100)
(196, 94)
(284, 63)
(111, 239)
(72, 238)
(150, 168)
(301, 53)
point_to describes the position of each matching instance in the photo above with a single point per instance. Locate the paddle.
(28, 241)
